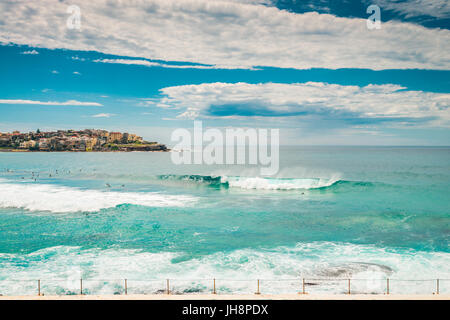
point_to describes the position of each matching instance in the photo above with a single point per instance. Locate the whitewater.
(260, 183)
(46, 197)
(331, 214)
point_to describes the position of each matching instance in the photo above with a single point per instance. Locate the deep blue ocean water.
(365, 213)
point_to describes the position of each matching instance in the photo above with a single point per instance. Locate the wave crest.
(277, 183)
(260, 183)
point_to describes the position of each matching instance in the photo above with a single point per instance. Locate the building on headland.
(43, 144)
(134, 138)
(5, 139)
(89, 143)
(77, 140)
(115, 137)
(29, 144)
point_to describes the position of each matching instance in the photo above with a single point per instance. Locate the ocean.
(329, 215)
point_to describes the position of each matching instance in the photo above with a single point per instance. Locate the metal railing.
(222, 286)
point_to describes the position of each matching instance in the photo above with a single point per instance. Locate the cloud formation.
(358, 105)
(225, 34)
(32, 52)
(103, 115)
(146, 63)
(50, 103)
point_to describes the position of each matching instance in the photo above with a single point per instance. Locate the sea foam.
(247, 182)
(276, 183)
(46, 197)
(279, 269)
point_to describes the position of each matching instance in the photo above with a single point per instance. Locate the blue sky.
(310, 68)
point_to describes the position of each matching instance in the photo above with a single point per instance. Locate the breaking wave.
(46, 197)
(279, 269)
(277, 183)
(261, 183)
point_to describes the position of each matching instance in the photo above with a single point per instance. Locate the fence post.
(81, 286)
(303, 287)
(437, 286)
(257, 291)
(126, 287)
(168, 286)
(387, 286)
(39, 287)
(349, 286)
(214, 286)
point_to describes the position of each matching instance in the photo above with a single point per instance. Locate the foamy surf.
(261, 183)
(264, 183)
(279, 269)
(46, 197)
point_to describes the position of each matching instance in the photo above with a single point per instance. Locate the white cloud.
(33, 52)
(155, 64)
(332, 101)
(129, 61)
(77, 73)
(55, 71)
(50, 103)
(225, 34)
(103, 115)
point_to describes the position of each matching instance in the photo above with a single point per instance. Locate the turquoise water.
(331, 212)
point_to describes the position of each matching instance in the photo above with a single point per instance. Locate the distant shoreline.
(78, 151)
(87, 140)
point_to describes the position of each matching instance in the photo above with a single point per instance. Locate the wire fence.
(9, 287)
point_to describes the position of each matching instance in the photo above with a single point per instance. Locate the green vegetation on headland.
(76, 140)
